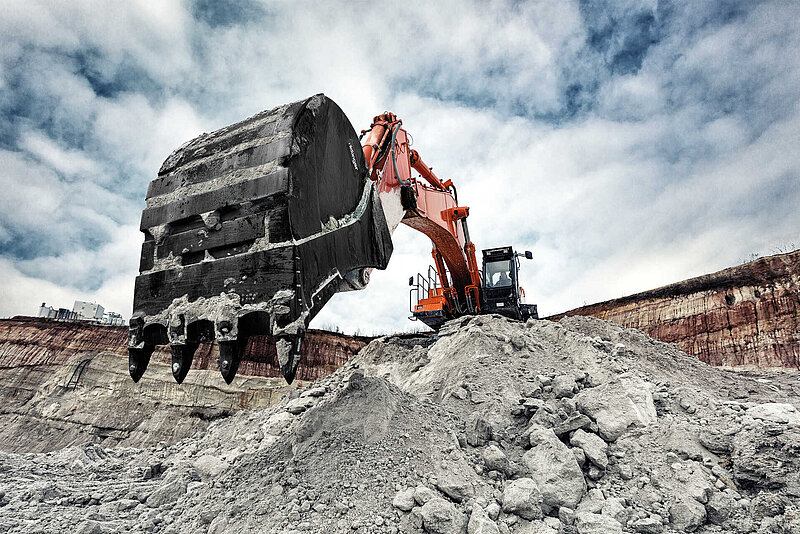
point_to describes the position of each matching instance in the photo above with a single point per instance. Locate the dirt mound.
(491, 426)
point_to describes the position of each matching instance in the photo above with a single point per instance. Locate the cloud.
(628, 144)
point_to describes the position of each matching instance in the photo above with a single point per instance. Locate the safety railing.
(421, 287)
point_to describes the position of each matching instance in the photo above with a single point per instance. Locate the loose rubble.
(490, 427)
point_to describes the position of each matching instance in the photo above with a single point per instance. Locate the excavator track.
(250, 230)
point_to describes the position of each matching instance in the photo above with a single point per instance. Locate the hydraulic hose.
(394, 157)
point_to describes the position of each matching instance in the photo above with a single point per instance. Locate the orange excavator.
(251, 229)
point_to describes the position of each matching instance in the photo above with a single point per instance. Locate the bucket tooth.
(182, 355)
(289, 351)
(230, 354)
(138, 358)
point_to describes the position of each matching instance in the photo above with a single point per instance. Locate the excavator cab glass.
(498, 273)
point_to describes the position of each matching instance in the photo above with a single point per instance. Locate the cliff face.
(744, 316)
(67, 383)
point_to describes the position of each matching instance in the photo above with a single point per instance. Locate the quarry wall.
(743, 316)
(63, 383)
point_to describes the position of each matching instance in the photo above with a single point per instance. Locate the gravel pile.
(490, 427)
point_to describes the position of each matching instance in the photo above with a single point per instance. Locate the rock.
(647, 525)
(580, 456)
(615, 507)
(218, 525)
(566, 515)
(769, 505)
(455, 486)
(534, 527)
(495, 459)
(572, 423)
(588, 523)
(209, 467)
(167, 494)
(617, 405)
(593, 446)
(767, 456)
(686, 515)
(480, 523)
(592, 502)
(299, 405)
(564, 386)
(479, 431)
(698, 486)
(554, 469)
(422, 495)
(719, 508)
(404, 500)
(441, 517)
(775, 412)
(90, 527)
(522, 497)
(314, 392)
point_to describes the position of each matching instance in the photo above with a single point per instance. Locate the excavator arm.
(251, 229)
(430, 206)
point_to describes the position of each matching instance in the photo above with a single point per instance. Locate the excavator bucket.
(250, 230)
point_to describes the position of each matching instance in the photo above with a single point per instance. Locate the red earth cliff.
(743, 316)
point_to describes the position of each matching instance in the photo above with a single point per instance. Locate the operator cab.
(501, 292)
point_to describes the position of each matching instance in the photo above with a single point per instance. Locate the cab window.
(498, 274)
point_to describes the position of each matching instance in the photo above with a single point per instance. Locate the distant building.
(89, 311)
(82, 311)
(46, 311)
(113, 319)
(64, 314)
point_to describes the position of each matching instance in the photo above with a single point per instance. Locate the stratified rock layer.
(744, 316)
(66, 383)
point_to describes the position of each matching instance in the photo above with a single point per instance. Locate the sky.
(627, 144)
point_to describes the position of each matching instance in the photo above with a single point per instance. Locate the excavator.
(251, 229)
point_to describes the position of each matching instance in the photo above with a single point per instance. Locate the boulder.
(456, 486)
(422, 495)
(615, 507)
(617, 405)
(209, 466)
(441, 517)
(719, 508)
(495, 459)
(404, 500)
(595, 448)
(647, 525)
(522, 497)
(588, 523)
(686, 515)
(775, 412)
(167, 494)
(767, 456)
(479, 522)
(592, 502)
(564, 386)
(479, 431)
(553, 467)
(533, 527)
(572, 423)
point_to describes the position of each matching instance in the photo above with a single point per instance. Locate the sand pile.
(492, 426)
